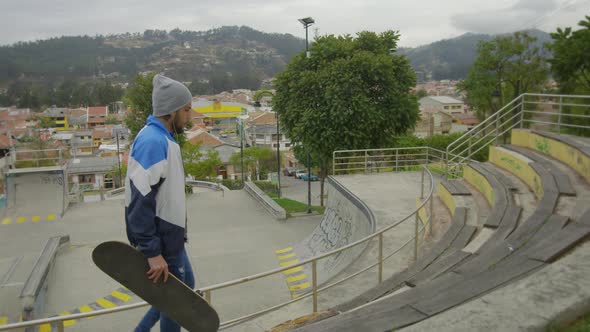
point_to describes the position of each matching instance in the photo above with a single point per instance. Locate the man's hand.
(157, 266)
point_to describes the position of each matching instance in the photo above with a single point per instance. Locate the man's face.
(181, 118)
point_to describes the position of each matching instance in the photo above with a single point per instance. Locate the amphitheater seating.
(448, 276)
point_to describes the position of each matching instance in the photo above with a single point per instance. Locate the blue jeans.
(181, 267)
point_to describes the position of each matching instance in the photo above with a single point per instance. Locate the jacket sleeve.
(146, 172)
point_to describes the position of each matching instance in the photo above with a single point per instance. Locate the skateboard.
(129, 266)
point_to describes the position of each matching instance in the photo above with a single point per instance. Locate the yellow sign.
(217, 110)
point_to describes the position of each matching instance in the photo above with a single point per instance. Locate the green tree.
(112, 120)
(570, 64)
(191, 155)
(207, 167)
(352, 93)
(505, 67)
(139, 101)
(254, 158)
(421, 93)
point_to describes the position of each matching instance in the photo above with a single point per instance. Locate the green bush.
(268, 187)
(232, 184)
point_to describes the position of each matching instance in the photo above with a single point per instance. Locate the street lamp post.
(278, 156)
(242, 118)
(307, 22)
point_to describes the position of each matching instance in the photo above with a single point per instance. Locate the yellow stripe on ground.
(45, 328)
(86, 308)
(67, 322)
(293, 270)
(300, 286)
(105, 303)
(296, 278)
(20, 220)
(296, 295)
(121, 296)
(3, 320)
(282, 251)
(6, 221)
(50, 216)
(286, 256)
(293, 262)
(36, 218)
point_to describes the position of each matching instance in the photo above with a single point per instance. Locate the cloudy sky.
(419, 21)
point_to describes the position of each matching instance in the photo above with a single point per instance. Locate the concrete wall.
(346, 220)
(36, 192)
(569, 155)
(519, 166)
(480, 183)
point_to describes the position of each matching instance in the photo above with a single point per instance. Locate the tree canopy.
(139, 101)
(570, 64)
(351, 93)
(505, 67)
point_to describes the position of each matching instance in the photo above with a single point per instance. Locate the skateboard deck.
(129, 266)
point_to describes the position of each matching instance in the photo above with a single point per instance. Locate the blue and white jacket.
(155, 206)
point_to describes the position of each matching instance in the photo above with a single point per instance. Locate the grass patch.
(581, 325)
(293, 206)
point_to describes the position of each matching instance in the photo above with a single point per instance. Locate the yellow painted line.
(121, 296)
(3, 320)
(45, 328)
(20, 220)
(293, 262)
(105, 303)
(296, 278)
(50, 216)
(296, 295)
(286, 256)
(300, 286)
(67, 322)
(86, 308)
(6, 221)
(282, 251)
(293, 270)
(36, 218)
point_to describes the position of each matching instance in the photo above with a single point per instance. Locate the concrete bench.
(563, 182)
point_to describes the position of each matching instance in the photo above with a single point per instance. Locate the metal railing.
(419, 228)
(552, 112)
(391, 159)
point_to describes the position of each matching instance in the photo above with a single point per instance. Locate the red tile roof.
(206, 139)
(97, 111)
(5, 141)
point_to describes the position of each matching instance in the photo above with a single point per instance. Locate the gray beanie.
(168, 95)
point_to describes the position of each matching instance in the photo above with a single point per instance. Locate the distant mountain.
(451, 58)
(214, 60)
(228, 53)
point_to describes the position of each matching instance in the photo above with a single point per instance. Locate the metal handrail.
(501, 120)
(208, 290)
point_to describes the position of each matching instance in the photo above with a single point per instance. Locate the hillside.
(238, 52)
(215, 60)
(451, 58)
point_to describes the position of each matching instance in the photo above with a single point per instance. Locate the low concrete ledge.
(31, 296)
(115, 192)
(196, 183)
(207, 184)
(269, 204)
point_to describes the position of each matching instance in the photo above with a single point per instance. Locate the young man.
(155, 208)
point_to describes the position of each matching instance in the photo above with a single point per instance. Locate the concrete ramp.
(35, 194)
(346, 220)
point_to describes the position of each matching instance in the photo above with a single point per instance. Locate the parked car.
(313, 177)
(290, 171)
(299, 173)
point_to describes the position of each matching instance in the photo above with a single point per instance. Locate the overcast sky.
(419, 21)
